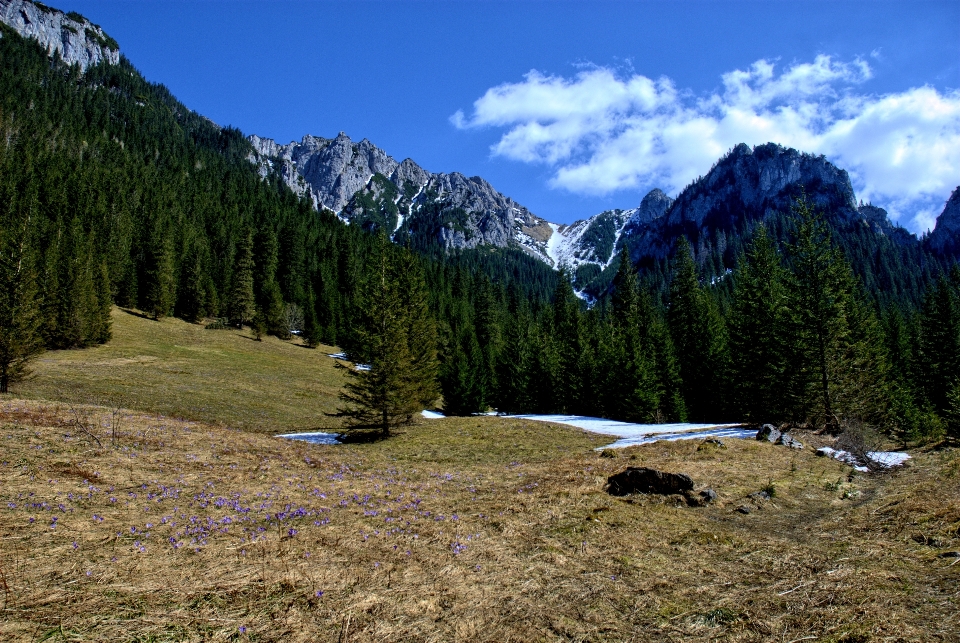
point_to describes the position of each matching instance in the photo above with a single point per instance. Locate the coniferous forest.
(114, 193)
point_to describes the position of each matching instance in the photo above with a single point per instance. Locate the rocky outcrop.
(71, 36)
(330, 171)
(363, 184)
(945, 238)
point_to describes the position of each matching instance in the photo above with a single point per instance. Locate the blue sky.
(573, 108)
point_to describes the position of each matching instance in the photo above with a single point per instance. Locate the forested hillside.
(115, 193)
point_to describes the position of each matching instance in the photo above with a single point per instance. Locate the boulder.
(769, 433)
(644, 480)
(789, 441)
(708, 495)
(744, 509)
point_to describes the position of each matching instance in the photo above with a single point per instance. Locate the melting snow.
(632, 434)
(886, 459)
(313, 438)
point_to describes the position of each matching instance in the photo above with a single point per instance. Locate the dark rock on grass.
(702, 499)
(774, 435)
(608, 453)
(769, 433)
(644, 480)
(744, 509)
(759, 495)
(949, 554)
(789, 441)
(708, 495)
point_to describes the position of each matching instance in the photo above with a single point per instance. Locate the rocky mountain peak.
(945, 237)
(73, 37)
(653, 206)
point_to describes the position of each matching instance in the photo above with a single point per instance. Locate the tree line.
(114, 193)
(790, 335)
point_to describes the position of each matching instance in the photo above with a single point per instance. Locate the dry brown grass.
(476, 529)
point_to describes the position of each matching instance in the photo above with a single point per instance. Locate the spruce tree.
(20, 338)
(939, 354)
(567, 340)
(698, 334)
(760, 334)
(515, 360)
(631, 389)
(398, 340)
(656, 334)
(841, 358)
(160, 283)
(242, 304)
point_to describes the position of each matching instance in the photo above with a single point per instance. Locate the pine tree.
(760, 334)
(398, 340)
(631, 389)
(840, 358)
(20, 338)
(567, 340)
(160, 286)
(939, 357)
(698, 334)
(656, 335)
(242, 305)
(515, 360)
(462, 373)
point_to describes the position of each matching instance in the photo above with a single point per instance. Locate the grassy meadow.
(180, 518)
(183, 370)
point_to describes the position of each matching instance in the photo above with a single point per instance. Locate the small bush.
(220, 323)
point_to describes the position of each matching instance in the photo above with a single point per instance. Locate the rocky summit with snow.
(363, 185)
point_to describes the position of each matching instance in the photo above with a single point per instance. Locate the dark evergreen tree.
(20, 338)
(398, 339)
(159, 280)
(698, 334)
(242, 304)
(760, 345)
(840, 357)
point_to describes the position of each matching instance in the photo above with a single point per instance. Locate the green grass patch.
(183, 370)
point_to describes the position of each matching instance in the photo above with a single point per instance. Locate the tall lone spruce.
(397, 338)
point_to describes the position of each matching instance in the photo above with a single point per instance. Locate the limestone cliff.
(74, 38)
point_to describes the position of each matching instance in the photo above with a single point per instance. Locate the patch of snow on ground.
(432, 415)
(312, 438)
(886, 459)
(632, 434)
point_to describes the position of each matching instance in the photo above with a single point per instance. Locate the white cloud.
(603, 132)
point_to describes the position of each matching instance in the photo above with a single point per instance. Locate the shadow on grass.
(361, 436)
(137, 313)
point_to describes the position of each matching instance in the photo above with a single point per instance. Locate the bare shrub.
(859, 439)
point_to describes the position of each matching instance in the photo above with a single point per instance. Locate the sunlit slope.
(183, 370)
